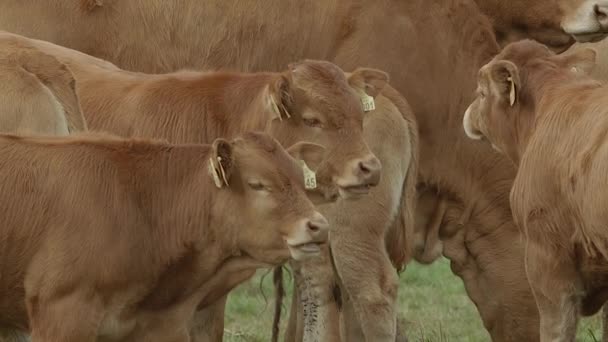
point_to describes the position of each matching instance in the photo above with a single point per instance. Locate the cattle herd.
(154, 154)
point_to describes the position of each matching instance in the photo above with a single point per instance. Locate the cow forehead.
(273, 164)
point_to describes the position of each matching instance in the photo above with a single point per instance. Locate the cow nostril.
(601, 13)
(364, 168)
(312, 227)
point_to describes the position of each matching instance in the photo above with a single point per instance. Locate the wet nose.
(318, 227)
(369, 170)
(601, 15)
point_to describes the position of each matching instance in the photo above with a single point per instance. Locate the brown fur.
(37, 93)
(431, 48)
(555, 133)
(151, 211)
(196, 35)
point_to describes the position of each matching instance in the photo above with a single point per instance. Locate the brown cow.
(37, 93)
(431, 48)
(161, 36)
(381, 216)
(315, 102)
(549, 118)
(118, 239)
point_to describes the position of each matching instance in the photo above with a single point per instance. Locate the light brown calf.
(37, 93)
(550, 119)
(312, 101)
(120, 240)
(369, 230)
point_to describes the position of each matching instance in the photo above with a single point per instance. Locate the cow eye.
(312, 122)
(257, 186)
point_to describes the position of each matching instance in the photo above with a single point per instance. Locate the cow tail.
(277, 280)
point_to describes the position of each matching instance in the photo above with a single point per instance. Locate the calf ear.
(370, 81)
(319, 187)
(582, 60)
(280, 100)
(312, 154)
(504, 77)
(221, 162)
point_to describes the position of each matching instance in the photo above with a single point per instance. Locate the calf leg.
(370, 281)
(556, 287)
(208, 323)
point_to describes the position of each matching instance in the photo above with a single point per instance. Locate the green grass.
(431, 300)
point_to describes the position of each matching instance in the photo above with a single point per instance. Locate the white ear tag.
(511, 91)
(213, 171)
(310, 178)
(368, 102)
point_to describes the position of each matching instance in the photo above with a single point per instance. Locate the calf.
(120, 239)
(550, 119)
(37, 93)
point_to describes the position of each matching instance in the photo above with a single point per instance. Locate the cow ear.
(320, 188)
(280, 99)
(504, 77)
(370, 81)
(221, 162)
(312, 154)
(579, 61)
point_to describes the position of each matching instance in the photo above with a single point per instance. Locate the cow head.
(551, 22)
(263, 194)
(314, 101)
(508, 91)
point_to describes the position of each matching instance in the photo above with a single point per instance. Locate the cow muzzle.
(589, 23)
(307, 237)
(362, 175)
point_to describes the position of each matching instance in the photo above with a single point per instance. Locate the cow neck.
(551, 92)
(181, 200)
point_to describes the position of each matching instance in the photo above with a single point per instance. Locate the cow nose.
(369, 169)
(318, 226)
(601, 15)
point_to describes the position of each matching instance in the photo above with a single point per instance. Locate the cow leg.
(315, 283)
(370, 281)
(556, 288)
(70, 318)
(350, 330)
(294, 331)
(208, 323)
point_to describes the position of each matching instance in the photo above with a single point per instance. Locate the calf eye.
(257, 186)
(312, 122)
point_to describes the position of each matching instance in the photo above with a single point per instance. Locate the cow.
(431, 48)
(37, 94)
(379, 218)
(161, 36)
(312, 101)
(548, 117)
(120, 239)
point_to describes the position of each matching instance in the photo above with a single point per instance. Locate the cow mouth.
(589, 37)
(355, 190)
(308, 248)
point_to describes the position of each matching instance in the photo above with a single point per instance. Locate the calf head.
(553, 23)
(509, 88)
(315, 101)
(264, 196)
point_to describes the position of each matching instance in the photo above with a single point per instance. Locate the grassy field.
(431, 299)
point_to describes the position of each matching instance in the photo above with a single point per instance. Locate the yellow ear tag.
(511, 92)
(213, 172)
(368, 102)
(310, 178)
(219, 162)
(275, 108)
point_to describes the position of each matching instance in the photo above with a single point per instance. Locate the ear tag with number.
(310, 178)
(368, 102)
